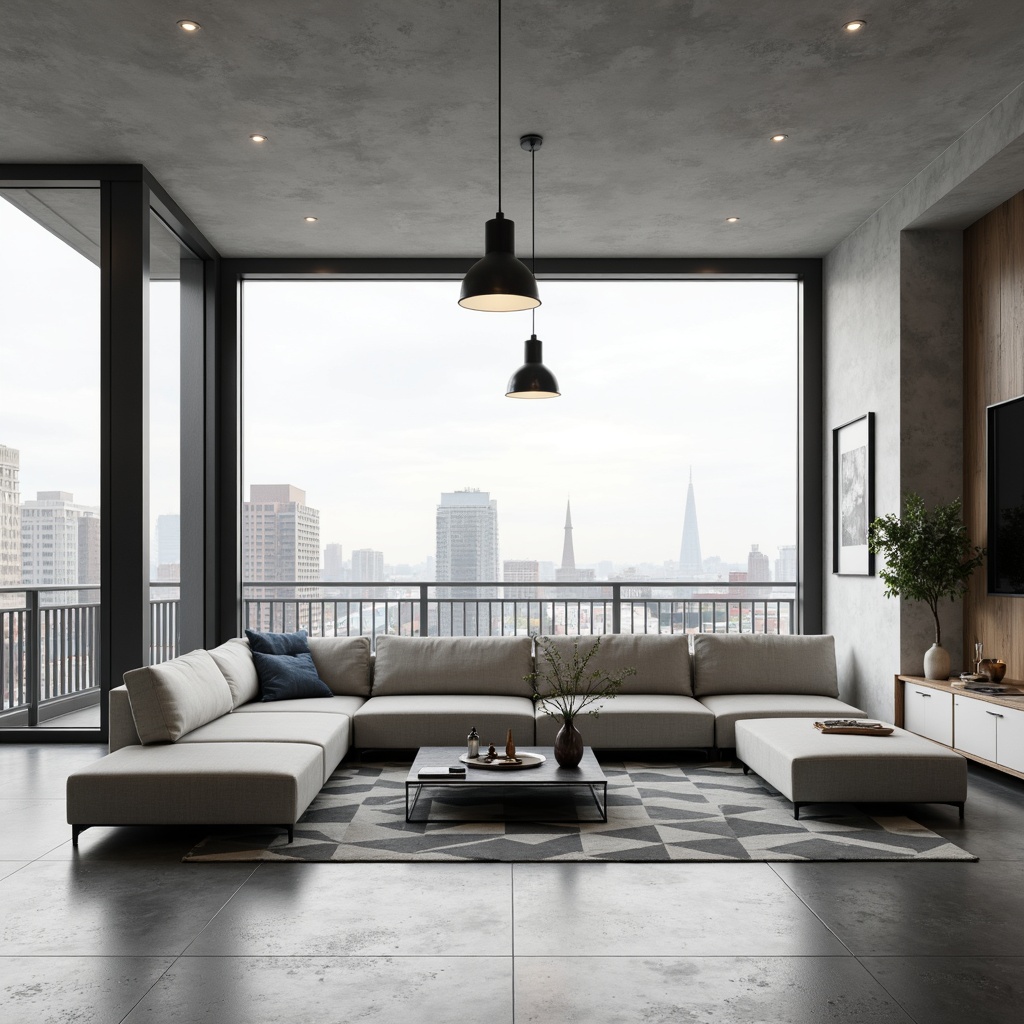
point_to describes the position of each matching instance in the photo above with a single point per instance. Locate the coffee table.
(587, 775)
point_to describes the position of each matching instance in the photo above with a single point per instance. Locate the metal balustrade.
(50, 634)
(581, 608)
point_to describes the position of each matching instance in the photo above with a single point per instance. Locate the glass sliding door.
(50, 452)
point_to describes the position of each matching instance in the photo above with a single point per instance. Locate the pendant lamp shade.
(499, 283)
(533, 379)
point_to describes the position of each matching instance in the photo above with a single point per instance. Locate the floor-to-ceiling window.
(50, 454)
(659, 492)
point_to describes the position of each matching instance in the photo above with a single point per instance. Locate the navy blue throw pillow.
(278, 643)
(288, 677)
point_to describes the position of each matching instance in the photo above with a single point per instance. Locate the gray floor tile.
(125, 909)
(153, 843)
(366, 909)
(86, 990)
(704, 990)
(41, 770)
(662, 910)
(954, 990)
(8, 867)
(371, 990)
(916, 909)
(32, 826)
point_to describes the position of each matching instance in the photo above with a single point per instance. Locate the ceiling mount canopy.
(499, 283)
(533, 379)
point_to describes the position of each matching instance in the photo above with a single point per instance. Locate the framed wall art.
(853, 496)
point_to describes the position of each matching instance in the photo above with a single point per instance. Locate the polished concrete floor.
(121, 930)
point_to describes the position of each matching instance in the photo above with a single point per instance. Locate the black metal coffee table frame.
(588, 774)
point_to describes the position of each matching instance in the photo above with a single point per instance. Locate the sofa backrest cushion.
(343, 663)
(172, 699)
(764, 663)
(661, 660)
(234, 659)
(278, 643)
(453, 665)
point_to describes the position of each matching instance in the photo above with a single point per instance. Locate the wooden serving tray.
(525, 761)
(853, 730)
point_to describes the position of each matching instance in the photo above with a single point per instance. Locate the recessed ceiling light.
(187, 25)
(856, 25)
(779, 138)
(732, 220)
(310, 220)
(256, 137)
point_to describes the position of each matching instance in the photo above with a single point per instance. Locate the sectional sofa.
(191, 741)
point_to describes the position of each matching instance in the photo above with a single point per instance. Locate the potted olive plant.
(928, 556)
(564, 689)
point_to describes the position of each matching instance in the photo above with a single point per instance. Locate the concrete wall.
(893, 346)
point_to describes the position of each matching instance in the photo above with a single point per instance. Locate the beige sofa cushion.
(662, 661)
(730, 708)
(638, 722)
(495, 666)
(436, 720)
(764, 663)
(197, 784)
(343, 663)
(234, 659)
(176, 697)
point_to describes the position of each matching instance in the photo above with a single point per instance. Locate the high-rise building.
(691, 564)
(467, 541)
(757, 565)
(167, 547)
(520, 571)
(89, 548)
(49, 539)
(785, 564)
(367, 565)
(280, 541)
(10, 518)
(334, 564)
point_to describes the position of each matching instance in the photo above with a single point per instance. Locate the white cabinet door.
(975, 723)
(928, 712)
(1010, 739)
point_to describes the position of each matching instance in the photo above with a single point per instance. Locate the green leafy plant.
(928, 555)
(564, 689)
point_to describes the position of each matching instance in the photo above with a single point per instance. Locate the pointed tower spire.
(690, 562)
(568, 555)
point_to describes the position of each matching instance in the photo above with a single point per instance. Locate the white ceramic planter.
(936, 663)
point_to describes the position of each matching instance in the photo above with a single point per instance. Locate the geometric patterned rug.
(656, 812)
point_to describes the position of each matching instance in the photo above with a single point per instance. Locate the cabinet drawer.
(1010, 739)
(974, 726)
(928, 712)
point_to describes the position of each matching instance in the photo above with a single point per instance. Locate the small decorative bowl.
(992, 669)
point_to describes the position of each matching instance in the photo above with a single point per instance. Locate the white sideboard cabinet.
(983, 727)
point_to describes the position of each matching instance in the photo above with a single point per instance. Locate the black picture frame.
(853, 496)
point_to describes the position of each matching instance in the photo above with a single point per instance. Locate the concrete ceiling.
(381, 115)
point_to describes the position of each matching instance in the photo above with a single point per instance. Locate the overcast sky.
(375, 397)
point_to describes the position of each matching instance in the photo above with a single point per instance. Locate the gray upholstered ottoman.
(809, 767)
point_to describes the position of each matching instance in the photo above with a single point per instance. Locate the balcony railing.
(50, 635)
(511, 609)
(50, 647)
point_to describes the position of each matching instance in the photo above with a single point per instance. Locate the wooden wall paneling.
(993, 372)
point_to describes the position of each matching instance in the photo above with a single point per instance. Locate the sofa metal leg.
(746, 770)
(796, 810)
(291, 832)
(77, 830)
(960, 808)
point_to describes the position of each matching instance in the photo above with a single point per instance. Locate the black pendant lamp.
(499, 283)
(533, 379)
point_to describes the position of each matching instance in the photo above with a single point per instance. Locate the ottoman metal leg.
(796, 810)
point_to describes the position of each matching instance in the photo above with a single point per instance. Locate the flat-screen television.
(1006, 497)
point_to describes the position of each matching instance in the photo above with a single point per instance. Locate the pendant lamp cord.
(533, 230)
(499, 105)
